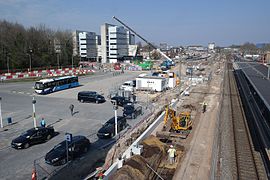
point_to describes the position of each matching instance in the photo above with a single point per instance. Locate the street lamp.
(57, 60)
(180, 67)
(1, 119)
(34, 112)
(30, 59)
(72, 61)
(115, 107)
(8, 62)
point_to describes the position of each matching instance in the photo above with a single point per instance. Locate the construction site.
(199, 119)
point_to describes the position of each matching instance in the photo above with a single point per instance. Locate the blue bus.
(45, 86)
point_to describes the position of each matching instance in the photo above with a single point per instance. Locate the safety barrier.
(45, 73)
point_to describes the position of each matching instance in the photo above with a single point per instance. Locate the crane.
(150, 44)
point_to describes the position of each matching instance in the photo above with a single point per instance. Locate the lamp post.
(34, 112)
(72, 61)
(115, 107)
(57, 60)
(30, 59)
(1, 119)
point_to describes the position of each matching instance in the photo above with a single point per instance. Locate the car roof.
(75, 138)
(117, 97)
(35, 129)
(111, 121)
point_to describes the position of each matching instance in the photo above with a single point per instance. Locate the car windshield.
(39, 85)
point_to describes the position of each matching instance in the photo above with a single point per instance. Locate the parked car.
(108, 129)
(58, 155)
(90, 96)
(130, 111)
(121, 101)
(33, 136)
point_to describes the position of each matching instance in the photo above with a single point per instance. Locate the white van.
(128, 86)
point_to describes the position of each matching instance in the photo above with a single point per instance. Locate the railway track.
(245, 162)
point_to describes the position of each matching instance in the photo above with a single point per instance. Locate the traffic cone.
(34, 174)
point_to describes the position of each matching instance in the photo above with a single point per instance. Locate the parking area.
(87, 118)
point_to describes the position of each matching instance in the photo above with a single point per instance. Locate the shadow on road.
(79, 167)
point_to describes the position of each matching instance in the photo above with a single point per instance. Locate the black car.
(121, 101)
(58, 155)
(130, 111)
(33, 136)
(90, 96)
(108, 129)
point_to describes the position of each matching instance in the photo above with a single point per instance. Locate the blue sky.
(176, 22)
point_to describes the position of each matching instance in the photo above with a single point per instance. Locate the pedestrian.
(71, 107)
(204, 106)
(134, 98)
(43, 122)
(172, 153)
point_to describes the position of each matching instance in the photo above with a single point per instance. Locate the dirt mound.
(137, 166)
(134, 168)
(152, 146)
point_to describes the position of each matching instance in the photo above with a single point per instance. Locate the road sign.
(68, 137)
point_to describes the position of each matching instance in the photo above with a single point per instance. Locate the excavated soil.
(154, 155)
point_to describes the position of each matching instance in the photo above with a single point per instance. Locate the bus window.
(39, 85)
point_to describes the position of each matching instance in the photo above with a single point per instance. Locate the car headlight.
(18, 144)
(106, 134)
(55, 159)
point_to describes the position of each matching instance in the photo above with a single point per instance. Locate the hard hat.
(171, 146)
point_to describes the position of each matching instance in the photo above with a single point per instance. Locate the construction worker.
(71, 107)
(172, 153)
(43, 122)
(204, 106)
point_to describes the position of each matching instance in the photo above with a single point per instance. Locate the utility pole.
(115, 107)
(8, 63)
(1, 119)
(57, 60)
(34, 112)
(72, 61)
(30, 59)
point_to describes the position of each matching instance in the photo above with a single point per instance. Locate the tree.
(18, 43)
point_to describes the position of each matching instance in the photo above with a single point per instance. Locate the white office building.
(115, 41)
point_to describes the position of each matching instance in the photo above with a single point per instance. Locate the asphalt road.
(89, 117)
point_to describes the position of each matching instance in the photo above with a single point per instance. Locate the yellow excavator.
(175, 126)
(179, 123)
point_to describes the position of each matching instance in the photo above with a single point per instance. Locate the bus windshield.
(39, 86)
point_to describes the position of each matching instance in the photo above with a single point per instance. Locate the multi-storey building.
(85, 45)
(115, 41)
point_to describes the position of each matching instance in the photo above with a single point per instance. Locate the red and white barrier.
(40, 73)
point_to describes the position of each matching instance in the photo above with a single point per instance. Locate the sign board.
(68, 137)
